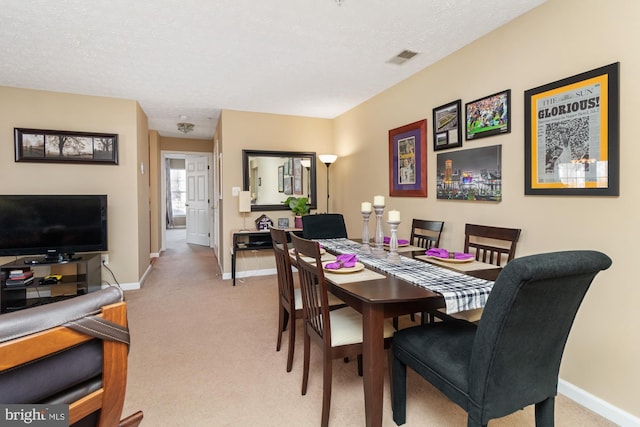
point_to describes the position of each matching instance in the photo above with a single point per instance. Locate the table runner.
(460, 291)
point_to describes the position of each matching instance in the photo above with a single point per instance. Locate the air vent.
(402, 57)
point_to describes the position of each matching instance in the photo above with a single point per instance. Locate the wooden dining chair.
(70, 352)
(426, 234)
(337, 332)
(289, 296)
(491, 245)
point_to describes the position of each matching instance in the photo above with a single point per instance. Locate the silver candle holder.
(393, 242)
(365, 248)
(378, 251)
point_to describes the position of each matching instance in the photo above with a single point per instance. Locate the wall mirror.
(272, 176)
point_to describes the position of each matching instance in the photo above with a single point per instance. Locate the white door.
(197, 205)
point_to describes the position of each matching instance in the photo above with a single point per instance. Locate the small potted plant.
(299, 207)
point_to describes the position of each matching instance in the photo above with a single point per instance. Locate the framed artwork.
(408, 160)
(283, 222)
(281, 178)
(572, 132)
(288, 185)
(297, 176)
(55, 146)
(488, 116)
(474, 174)
(447, 132)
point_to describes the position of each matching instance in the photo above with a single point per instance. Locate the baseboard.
(250, 273)
(597, 405)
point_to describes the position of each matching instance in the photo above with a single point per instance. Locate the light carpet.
(203, 354)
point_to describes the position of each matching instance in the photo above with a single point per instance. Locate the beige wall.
(257, 131)
(128, 210)
(186, 144)
(559, 39)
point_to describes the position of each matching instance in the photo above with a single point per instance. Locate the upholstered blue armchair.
(511, 358)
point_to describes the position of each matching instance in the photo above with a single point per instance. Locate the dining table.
(386, 289)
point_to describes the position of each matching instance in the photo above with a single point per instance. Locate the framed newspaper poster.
(572, 134)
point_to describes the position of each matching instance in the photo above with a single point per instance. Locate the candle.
(378, 200)
(366, 207)
(394, 216)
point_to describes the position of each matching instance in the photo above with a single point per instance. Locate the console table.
(255, 240)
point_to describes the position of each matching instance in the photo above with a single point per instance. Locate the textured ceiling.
(195, 57)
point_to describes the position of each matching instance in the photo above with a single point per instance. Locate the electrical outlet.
(105, 259)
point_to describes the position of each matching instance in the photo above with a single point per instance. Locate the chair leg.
(326, 389)
(292, 343)
(305, 370)
(360, 373)
(399, 390)
(544, 412)
(283, 319)
(413, 317)
(473, 423)
(395, 323)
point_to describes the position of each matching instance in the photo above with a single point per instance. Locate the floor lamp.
(244, 206)
(327, 159)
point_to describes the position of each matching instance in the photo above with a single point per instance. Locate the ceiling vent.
(402, 57)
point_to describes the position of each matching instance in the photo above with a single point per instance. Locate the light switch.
(235, 191)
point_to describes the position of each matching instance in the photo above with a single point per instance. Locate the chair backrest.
(315, 300)
(524, 327)
(324, 226)
(283, 266)
(426, 234)
(493, 245)
(71, 352)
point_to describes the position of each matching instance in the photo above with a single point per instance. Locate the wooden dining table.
(377, 299)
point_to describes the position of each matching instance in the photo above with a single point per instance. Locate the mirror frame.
(247, 154)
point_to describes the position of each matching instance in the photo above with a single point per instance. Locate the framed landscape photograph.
(572, 132)
(488, 116)
(447, 132)
(408, 160)
(54, 146)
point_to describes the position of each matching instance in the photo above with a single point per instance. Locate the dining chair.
(70, 352)
(324, 226)
(491, 245)
(511, 358)
(289, 296)
(426, 234)
(337, 332)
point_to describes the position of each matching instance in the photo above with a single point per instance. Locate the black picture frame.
(488, 116)
(56, 146)
(447, 132)
(572, 135)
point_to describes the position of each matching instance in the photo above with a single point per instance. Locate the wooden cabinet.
(79, 276)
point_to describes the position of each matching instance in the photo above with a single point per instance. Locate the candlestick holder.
(378, 251)
(365, 248)
(393, 242)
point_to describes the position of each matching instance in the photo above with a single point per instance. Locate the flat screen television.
(56, 226)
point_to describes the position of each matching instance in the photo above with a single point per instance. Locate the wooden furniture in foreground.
(338, 332)
(51, 355)
(511, 359)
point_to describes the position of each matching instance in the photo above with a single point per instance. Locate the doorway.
(186, 190)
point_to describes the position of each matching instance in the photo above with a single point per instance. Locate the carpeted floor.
(203, 354)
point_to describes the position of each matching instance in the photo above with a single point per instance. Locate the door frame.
(173, 154)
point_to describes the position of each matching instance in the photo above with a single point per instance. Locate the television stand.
(52, 259)
(80, 275)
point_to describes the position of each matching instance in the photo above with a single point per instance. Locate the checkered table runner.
(460, 291)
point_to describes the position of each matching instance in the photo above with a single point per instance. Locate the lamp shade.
(327, 159)
(244, 201)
